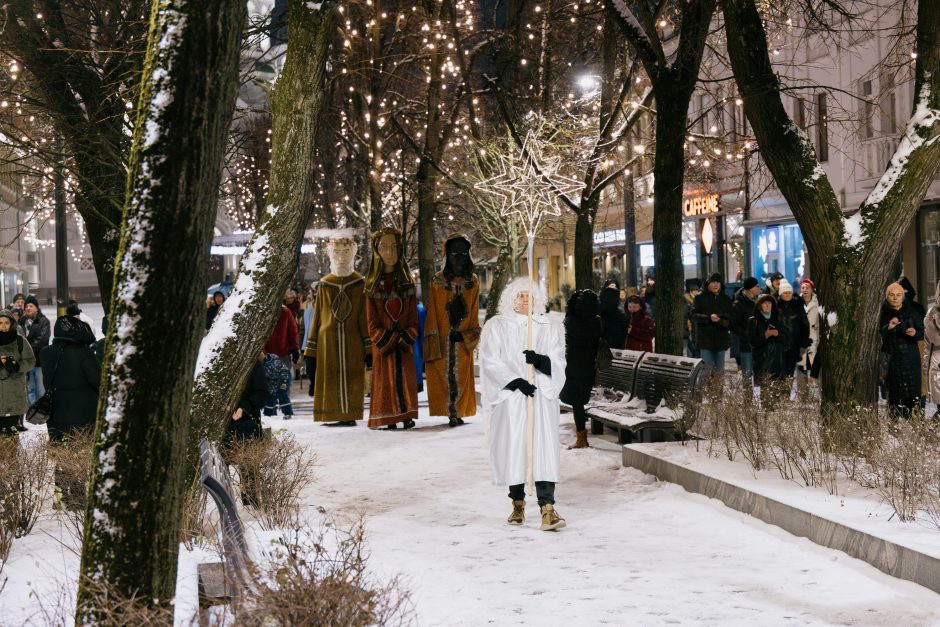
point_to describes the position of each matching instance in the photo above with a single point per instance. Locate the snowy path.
(635, 551)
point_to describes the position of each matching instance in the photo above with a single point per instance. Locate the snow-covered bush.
(320, 577)
(24, 486)
(72, 459)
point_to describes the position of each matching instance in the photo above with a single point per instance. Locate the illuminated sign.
(700, 206)
(607, 237)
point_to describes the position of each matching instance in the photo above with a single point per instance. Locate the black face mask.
(458, 257)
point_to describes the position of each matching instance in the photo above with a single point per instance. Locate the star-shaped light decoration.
(529, 184)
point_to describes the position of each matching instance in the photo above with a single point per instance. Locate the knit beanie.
(749, 283)
(784, 287)
(812, 285)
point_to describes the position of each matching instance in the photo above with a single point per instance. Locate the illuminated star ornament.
(529, 185)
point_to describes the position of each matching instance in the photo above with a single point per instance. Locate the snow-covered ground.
(636, 551)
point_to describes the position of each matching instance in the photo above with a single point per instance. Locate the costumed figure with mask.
(451, 333)
(583, 330)
(338, 343)
(504, 363)
(392, 311)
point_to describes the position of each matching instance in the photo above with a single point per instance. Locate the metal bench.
(648, 377)
(220, 583)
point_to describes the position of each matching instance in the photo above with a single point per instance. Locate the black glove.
(369, 359)
(521, 385)
(456, 336)
(541, 362)
(11, 365)
(294, 356)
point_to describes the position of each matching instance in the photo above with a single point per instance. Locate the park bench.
(627, 396)
(222, 582)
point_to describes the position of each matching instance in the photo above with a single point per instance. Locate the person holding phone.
(769, 339)
(901, 327)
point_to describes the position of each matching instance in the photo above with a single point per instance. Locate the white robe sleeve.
(551, 343)
(495, 373)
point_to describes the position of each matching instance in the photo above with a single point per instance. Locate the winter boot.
(551, 521)
(455, 421)
(408, 424)
(517, 517)
(581, 441)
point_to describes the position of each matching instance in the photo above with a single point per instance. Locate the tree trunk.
(427, 208)
(669, 176)
(851, 272)
(584, 251)
(183, 116)
(629, 232)
(502, 275)
(427, 175)
(245, 320)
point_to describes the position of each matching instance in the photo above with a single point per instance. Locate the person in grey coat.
(16, 359)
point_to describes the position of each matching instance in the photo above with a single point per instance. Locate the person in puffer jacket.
(279, 377)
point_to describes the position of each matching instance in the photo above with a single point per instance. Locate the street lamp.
(587, 83)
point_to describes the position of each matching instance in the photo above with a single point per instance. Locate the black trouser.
(544, 490)
(580, 417)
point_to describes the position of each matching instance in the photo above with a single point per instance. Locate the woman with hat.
(70, 367)
(16, 359)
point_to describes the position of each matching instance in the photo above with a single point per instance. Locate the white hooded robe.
(502, 360)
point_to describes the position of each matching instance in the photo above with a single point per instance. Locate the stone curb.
(895, 560)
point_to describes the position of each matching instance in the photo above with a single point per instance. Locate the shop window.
(778, 248)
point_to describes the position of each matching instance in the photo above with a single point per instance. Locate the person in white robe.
(504, 368)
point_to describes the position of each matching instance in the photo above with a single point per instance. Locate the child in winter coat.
(279, 378)
(640, 327)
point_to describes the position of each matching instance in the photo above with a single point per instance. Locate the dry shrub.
(320, 578)
(73, 459)
(729, 417)
(905, 465)
(24, 485)
(272, 472)
(113, 609)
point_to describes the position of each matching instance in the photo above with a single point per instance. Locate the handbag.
(40, 411)
(605, 358)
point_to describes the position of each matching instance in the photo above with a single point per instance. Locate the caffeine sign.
(701, 206)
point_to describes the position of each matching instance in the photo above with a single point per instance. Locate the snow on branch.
(632, 23)
(921, 123)
(924, 118)
(253, 264)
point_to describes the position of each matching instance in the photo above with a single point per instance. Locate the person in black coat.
(793, 316)
(245, 424)
(245, 421)
(218, 298)
(768, 338)
(901, 327)
(711, 313)
(742, 308)
(911, 295)
(583, 330)
(71, 368)
(615, 320)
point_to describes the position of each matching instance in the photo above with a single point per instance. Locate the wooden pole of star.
(530, 403)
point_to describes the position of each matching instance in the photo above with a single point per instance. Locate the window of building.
(867, 113)
(778, 248)
(886, 104)
(799, 112)
(822, 129)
